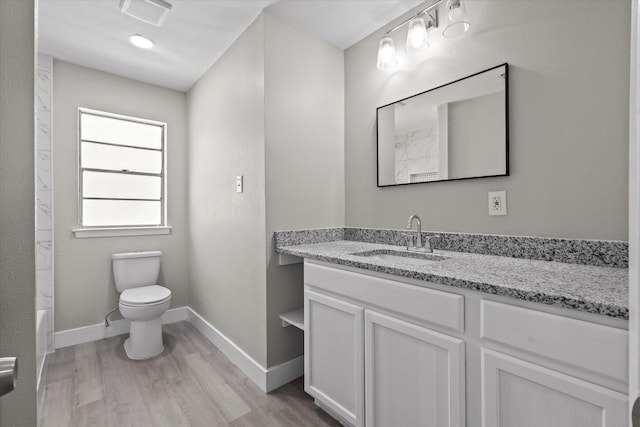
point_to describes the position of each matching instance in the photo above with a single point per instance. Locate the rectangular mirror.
(455, 131)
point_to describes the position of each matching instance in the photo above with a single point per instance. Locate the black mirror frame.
(506, 94)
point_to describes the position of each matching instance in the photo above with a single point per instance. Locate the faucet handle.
(428, 241)
(408, 239)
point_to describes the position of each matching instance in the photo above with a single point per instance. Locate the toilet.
(142, 301)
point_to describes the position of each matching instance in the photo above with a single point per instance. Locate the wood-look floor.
(191, 384)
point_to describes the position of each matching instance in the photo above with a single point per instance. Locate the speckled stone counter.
(605, 253)
(590, 288)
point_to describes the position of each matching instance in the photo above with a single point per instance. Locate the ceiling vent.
(150, 11)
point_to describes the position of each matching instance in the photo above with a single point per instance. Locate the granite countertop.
(593, 289)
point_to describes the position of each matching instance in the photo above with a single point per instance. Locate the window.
(122, 171)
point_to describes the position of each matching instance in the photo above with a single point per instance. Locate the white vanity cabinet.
(529, 359)
(518, 393)
(383, 352)
(370, 366)
(413, 376)
(333, 346)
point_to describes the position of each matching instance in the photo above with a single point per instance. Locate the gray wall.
(304, 125)
(227, 229)
(17, 207)
(387, 145)
(568, 106)
(277, 119)
(84, 288)
(476, 136)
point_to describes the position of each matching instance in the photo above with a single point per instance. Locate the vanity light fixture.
(458, 17)
(141, 41)
(417, 41)
(419, 26)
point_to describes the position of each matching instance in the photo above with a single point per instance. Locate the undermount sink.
(406, 257)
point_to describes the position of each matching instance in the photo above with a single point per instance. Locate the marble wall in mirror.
(455, 131)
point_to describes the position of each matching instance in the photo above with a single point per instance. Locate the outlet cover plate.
(497, 202)
(239, 183)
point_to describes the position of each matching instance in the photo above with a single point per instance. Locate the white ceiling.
(195, 34)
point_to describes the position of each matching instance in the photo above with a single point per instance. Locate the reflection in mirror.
(455, 131)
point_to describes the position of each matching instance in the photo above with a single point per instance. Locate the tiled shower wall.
(44, 215)
(416, 152)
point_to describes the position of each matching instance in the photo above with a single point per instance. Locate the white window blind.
(122, 165)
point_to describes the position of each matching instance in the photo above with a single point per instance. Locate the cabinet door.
(516, 393)
(413, 376)
(333, 360)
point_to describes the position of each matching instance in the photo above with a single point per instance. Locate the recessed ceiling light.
(141, 41)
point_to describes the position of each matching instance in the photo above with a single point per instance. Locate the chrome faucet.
(419, 246)
(419, 229)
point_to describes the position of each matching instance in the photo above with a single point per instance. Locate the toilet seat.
(145, 296)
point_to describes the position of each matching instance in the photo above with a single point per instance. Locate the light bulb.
(417, 34)
(417, 40)
(386, 54)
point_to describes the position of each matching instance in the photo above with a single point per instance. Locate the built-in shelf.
(293, 318)
(286, 259)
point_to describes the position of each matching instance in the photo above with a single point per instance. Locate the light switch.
(239, 184)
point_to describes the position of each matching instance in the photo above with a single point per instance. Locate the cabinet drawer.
(439, 308)
(597, 348)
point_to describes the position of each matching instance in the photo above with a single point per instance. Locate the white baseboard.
(284, 373)
(117, 327)
(174, 315)
(266, 379)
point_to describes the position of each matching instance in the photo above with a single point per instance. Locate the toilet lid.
(145, 295)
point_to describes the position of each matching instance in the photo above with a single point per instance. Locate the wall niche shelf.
(293, 318)
(286, 259)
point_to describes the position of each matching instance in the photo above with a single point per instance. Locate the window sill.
(82, 233)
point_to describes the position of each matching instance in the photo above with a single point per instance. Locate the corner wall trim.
(117, 327)
(266, 379)
(40, 370)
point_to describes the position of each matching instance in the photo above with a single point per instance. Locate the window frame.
(131, 229)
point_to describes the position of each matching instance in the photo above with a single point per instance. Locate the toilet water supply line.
(106, 318)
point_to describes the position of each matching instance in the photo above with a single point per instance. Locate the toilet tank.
(135, 269)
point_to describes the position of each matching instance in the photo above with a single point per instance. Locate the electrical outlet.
(497, 202)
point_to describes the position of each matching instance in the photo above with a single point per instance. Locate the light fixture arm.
(432, 22)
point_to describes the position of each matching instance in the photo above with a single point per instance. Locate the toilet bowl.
(142, 301)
